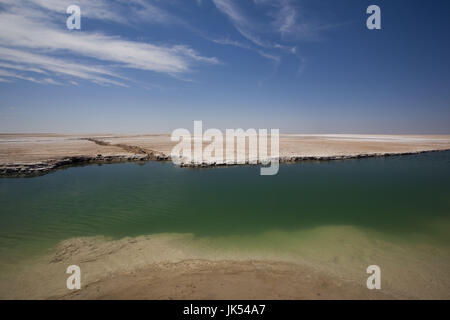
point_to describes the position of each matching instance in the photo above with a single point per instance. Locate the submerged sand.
(321, 263)
(27, 154)
(243, 280)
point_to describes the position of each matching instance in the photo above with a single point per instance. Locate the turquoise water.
(399, 196)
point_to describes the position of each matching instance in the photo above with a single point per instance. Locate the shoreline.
(24, 170)
(33, 155)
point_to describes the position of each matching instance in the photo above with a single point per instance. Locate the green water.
(401, 196)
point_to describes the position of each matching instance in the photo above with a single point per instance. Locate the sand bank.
(320, 263)
(204, 279)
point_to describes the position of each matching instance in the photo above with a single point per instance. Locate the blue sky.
(303, 66)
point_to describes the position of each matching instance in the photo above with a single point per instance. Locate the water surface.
(401, 196)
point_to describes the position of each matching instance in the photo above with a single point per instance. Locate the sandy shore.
(119, 270)
(24, 154)
(203, 279)
(322, 263)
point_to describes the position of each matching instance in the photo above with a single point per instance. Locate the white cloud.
(282, 24)
(274, 58)
(31, 41)
(283, 20)
(21, 68)
(226, 41)
(12, 74)
(119, 11)
(60, 67)
(286, 18)
(239, 21)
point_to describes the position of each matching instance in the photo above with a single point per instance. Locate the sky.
(152, 66)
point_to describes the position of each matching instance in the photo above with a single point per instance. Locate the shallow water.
(406, 197)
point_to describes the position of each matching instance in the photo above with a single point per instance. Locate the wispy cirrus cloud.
(11, 74)
(119, 11)
(260, 34)
(283, 18)
(240, 21)
(280, 31)
(60, 67)
(21, 68)
(30, 41)
(226, 41)
(283, 21)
